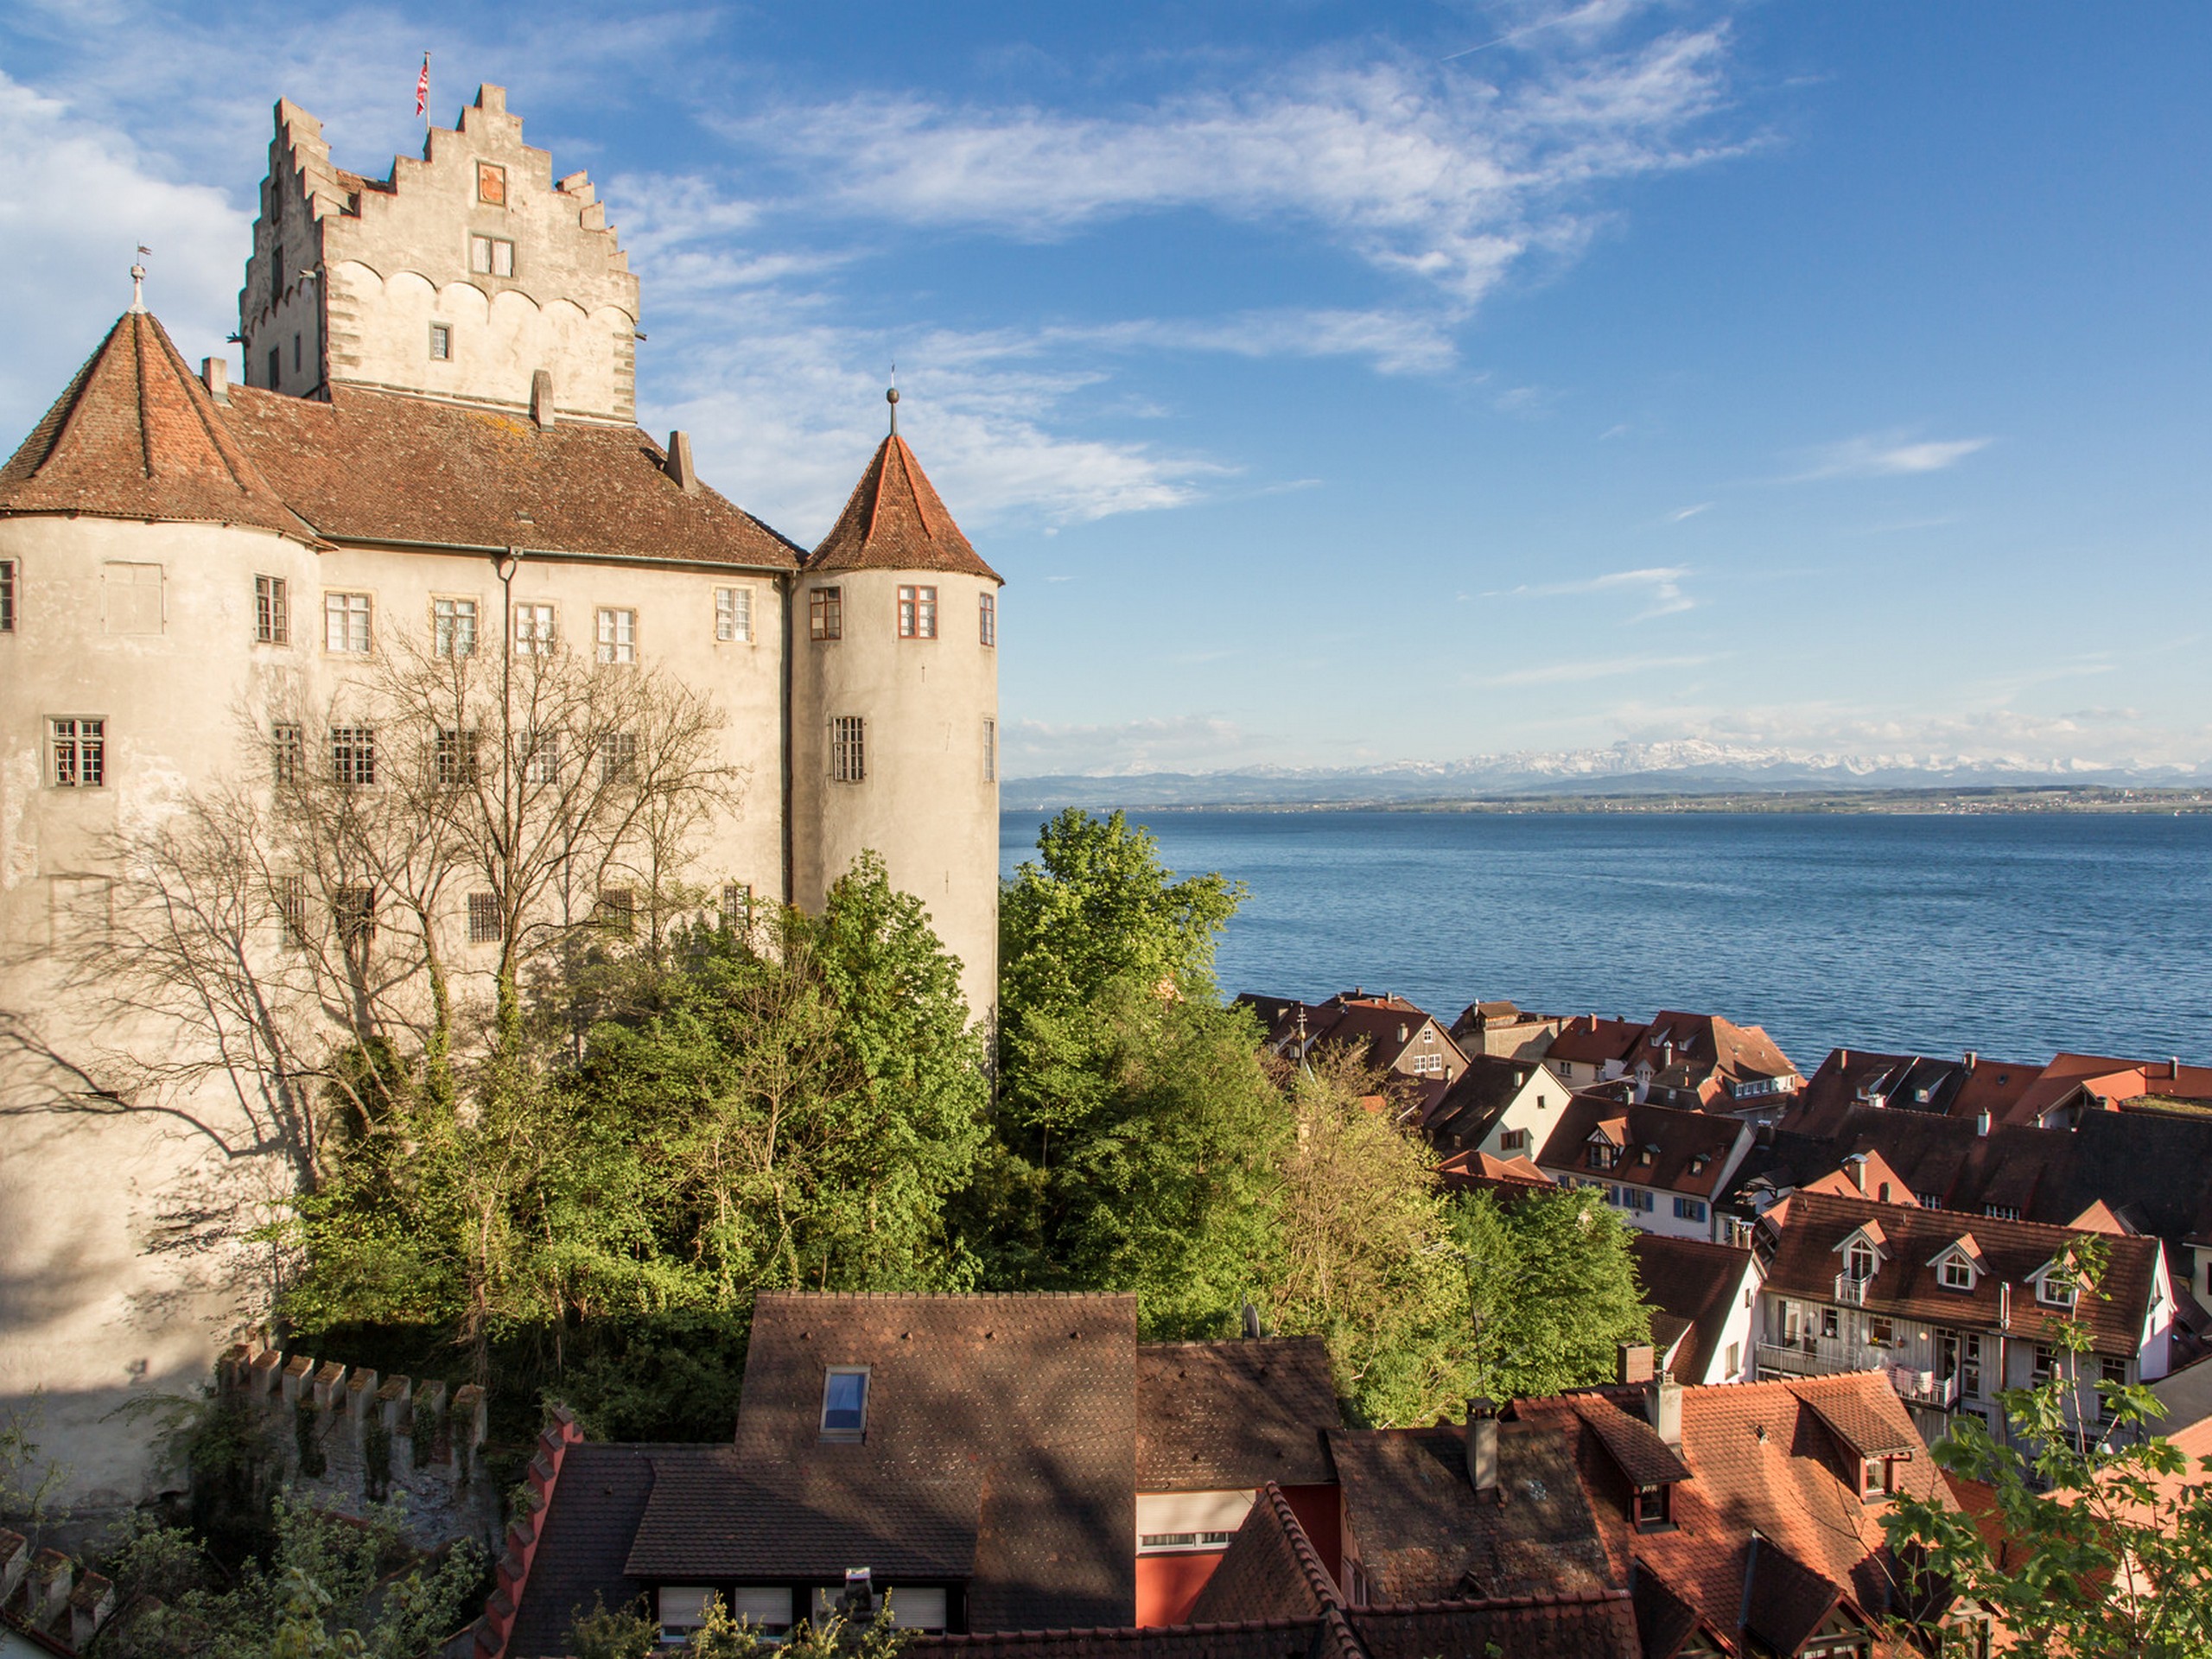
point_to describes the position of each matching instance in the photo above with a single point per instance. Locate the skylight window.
(844, 1402)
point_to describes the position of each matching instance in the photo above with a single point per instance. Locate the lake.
(2016, 936)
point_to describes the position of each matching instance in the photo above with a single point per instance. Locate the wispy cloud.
(1676, 517)
(1181, 743)
(1593, 668)
(1889, 454)
(1660, 584)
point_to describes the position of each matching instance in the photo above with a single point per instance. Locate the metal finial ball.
(892, 396)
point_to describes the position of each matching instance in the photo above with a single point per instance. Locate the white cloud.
(1181, 743)
(1887, 455)
(1419, 170)
(1594, 668)
(1677, 518)
(1660, 584)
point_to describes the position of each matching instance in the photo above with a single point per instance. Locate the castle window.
(483, 918)
(346, 623)
(540, 757)
(848, 749)
(275, 366)
(354, 911)
(987, 618)
(133, 593)
(491, 256)
(295, 354)
(272, 610)
(453, 759)
(7, 596)
(491, 184)
(453, 627)
(353, 755)
(533, 630)
(732, 614)
(79, 752)
(825, 613)
(990, 750)
(737, 904)
(287, 752)
(292, 909)
(441, 342)
(618, 636)
(275, 288)
(618, 758)
(617, 911)
(918, 613)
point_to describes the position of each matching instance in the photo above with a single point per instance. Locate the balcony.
(1851, 1292)
(1820, 1357)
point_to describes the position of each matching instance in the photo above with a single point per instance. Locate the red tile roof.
(1800, 1239)
(1695, 1282)
(1589, 1040)
(1688, 1150)
(1214, 1416)
(895, 521)
(136, 435)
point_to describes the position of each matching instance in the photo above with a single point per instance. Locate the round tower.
(895, 710)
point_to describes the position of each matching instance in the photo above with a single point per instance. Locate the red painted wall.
(1167, 1584)
(1317, 1509)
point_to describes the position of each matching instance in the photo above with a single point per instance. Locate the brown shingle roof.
(1268, 1571)
(1632, 1442)
(379, 467)
(585, 1543)
(136, 435)
(1689, 1150)
(1697, 1283)
(895, 521)
(1216, 1416)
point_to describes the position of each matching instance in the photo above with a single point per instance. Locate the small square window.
(1830, 1324)
(1958, 1274)
(353, 755)
(272, 612)
(491, 256)
(1875, 1475)
(618, 636)
(617, 911)
(618, 758)
(1655, 1507)
(918, 613)
(441, 342)
(987, 618)
(991, 752)
(7, 596)
(848, 749)
(491, 184)
(79, 752)
(732, 614)
(844, 1403)
(291, 897)
(453, 627)
(1881, 1332)
(540, 757)
(1513, 1140)
(483, 918)
(825, 613)
(737, 903)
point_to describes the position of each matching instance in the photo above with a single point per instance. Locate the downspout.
(789, 584)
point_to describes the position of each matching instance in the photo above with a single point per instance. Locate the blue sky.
(1339, 384)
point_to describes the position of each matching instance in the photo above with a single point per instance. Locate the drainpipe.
(788, 585)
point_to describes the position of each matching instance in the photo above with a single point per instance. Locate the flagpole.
(422, 92)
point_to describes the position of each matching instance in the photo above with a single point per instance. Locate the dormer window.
(1655, 1507)
(1877, 1478)
(844, 1403)
(1957, 1273)
(2056, 1289)
(1859, 1259)
(1603, 1154)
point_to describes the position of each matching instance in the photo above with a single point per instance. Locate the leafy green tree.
(1550, 1290)
(1137, 1133)
(2105, 1528)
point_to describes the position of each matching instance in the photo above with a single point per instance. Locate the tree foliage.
(2105, 1546)
(1552, 1291)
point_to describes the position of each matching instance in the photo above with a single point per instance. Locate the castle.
(432, 446)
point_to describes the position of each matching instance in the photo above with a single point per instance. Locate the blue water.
(2015, 936)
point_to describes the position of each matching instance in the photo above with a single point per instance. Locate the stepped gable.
(895, 521)
(136, 435)
(380, 468)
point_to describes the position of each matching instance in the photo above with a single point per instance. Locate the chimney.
(541, 399)
(1855, 1166)
(1982, 1124)
(1635, 1362)
(1663, 1401)
(215, 375)
(1842, 1058)
(679, 463)
(1482, 1445)
(1970, 1061)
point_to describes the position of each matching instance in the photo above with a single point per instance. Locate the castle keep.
(431, 448)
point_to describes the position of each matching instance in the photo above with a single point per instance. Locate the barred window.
(353, 910)
(618, 636)
(7, 596)
(441, 342)
(483, 918)
(453, 627)
(825, 613)
(79, 752)
(990, 750)
(454, 759)
(540, 757)
(353, 755)
(272, 612)
(346, 623)
(987, 618)
(737, 903)
(533, 630)
(287, 752)
(292, 909)
(618, 758)
(918, 613)
(618, 910)
(732, 614)
(848, 749)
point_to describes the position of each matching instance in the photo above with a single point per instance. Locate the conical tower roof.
(895, 522)
(136, 435)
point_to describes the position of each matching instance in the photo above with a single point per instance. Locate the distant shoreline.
(1934, 802)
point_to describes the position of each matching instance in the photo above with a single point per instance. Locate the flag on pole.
(422, 87)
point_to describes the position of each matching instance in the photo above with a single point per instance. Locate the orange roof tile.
(895, 521)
